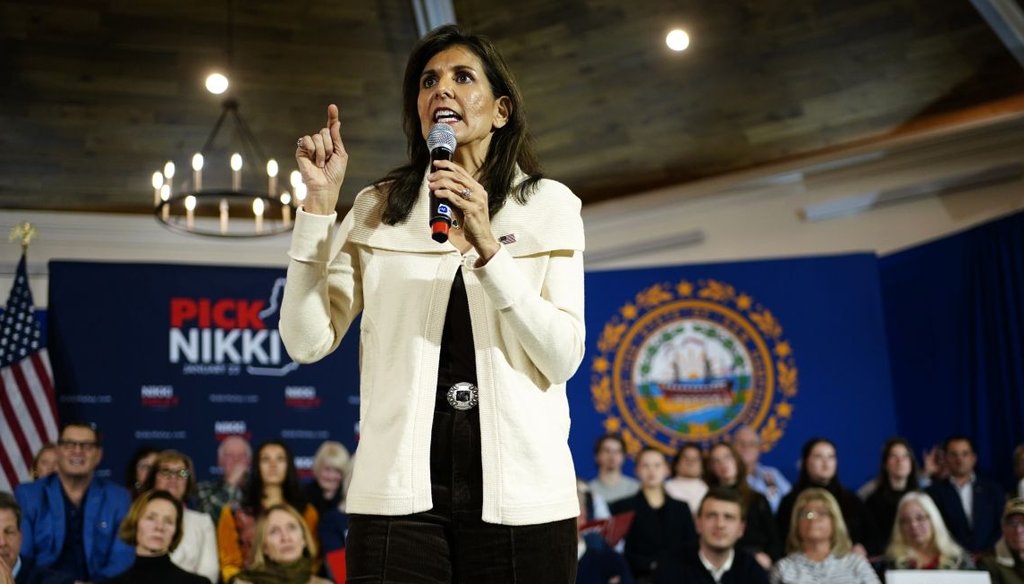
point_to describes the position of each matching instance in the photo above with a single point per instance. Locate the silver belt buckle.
(463, 396)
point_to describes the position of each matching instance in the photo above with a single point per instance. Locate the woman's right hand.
(322, 160)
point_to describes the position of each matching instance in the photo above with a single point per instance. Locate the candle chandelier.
(202, 203)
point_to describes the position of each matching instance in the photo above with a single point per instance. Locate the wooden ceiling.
(96, 95)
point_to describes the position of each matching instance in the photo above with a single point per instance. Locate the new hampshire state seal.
(691, 362)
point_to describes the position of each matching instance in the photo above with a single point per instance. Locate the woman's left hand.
(452, 183)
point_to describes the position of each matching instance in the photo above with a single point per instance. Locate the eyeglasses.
(168, 473)
(1016, 522)
(812, 515)
(74, 444)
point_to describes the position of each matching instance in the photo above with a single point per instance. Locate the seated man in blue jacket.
(971, 506)
(70, 519)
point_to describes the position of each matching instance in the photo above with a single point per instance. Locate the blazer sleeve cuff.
(310, 236)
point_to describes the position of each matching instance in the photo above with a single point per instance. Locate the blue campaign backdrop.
(924, 343)
(178, 356)
(830, 314)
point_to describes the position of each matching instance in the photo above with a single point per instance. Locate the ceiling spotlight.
(678, 40)
(216, 83)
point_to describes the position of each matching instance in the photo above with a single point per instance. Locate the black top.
(686, 568)
(882, 504)
(458, 357)
(655, 532)
(156, 570)
(315, 497)
(601, 564)
(761, 534)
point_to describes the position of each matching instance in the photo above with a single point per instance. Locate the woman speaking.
(463, 471)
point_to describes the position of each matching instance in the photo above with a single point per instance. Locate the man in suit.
(715, 560)
(70, 519)
(22, 570)
(970, 505)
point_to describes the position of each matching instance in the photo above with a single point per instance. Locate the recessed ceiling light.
(677, 40)
(216, 83)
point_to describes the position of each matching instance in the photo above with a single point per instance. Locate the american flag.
(28, 412)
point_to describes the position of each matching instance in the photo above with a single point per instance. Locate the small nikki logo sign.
(158, 396)
(301, 397)
(224, 428)
(304, 466)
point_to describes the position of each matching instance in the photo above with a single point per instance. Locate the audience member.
(598, 562)
(819, 546)
(897, 476)
(21, 570)
(760, 537)
(326, 493)
(819, 468)
(284, 550)
(330, 465)
(687, 484)
(716, 559)
(197, 551)
(1006, 564)
(234, 458)
(274, 481)
(920, 540)
(45, 461)
(970, 505)
(153, 526)
(767, 480)
(610, 484)
(661, 524)
(69, 518)
(138, 468)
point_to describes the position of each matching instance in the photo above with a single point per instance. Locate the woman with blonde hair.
(920, 540)
(819, 546)
(283, 550)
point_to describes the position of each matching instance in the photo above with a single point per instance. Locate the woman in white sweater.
(820, 550)
(463, 465)
(197, 553)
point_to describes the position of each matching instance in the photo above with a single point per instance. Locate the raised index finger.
(332, 115)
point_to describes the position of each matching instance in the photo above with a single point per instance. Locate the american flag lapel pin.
(507, 239)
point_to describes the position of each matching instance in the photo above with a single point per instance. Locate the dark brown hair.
(510, 145)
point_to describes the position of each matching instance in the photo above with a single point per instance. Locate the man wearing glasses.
(1007, 563)
(70, 519)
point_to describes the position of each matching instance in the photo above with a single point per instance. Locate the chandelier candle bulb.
(165, 195)
(190, 207)
(197, 172)
(158, 181)
(286, 208)
(300, 193)
(169, 174)
(236, 171)
(272, 177)
(257, 209)
(295, 179)
(223, 216)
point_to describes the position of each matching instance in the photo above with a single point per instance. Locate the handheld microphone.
(441, 142)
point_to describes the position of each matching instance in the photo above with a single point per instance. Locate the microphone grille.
(441, 136)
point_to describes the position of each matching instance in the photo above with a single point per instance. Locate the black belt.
(462, 396)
